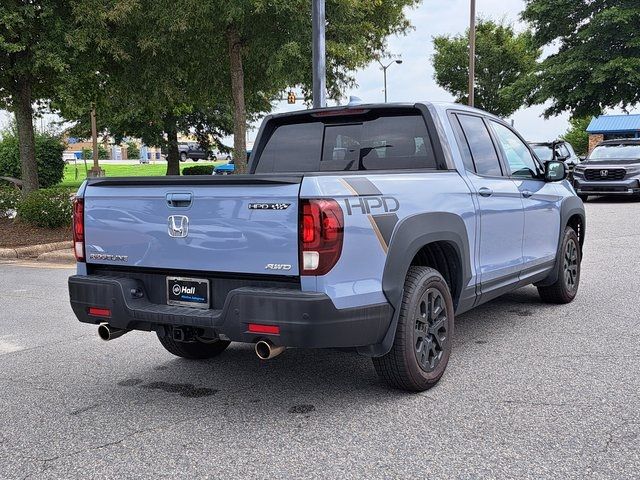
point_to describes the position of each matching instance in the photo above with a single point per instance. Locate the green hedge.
(50, 208)
(198, 170)
(9, 198)
(49, 150)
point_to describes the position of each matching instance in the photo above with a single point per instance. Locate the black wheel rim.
(571, 265)
(430, 329)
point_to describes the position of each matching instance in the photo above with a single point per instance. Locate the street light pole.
(384, 72)
(472, 52)
(319, 54)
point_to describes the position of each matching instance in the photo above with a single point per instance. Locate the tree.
(141, 67)
(33, 55)
(503, 59)
(268, 48)
(210, 67)
(577, 134)
(597, 63)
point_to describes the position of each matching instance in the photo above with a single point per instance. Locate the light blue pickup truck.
(366, 227)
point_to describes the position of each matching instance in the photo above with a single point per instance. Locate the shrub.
(133, 151)
(9, 198)
(198, 170)
(49, 150)
(50, 208)
(103, 153)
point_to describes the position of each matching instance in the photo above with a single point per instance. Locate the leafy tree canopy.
(503, 58)
(597, 63)
(33, 56)
(577, 134)
(167, 66)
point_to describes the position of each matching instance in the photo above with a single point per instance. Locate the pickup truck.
(366, 228)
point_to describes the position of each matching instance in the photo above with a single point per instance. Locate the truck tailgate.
(239, 224)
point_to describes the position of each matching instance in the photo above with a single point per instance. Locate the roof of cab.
(441, 106)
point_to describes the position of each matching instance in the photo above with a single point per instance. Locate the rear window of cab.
(375, 141)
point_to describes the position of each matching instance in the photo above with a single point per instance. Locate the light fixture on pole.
(384, 70)
(472, 52)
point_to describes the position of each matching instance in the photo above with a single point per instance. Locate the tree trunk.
(237, 93)
(24, 122)
(173, 155)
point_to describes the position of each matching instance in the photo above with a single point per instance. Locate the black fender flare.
(569, 207)
(410, 235)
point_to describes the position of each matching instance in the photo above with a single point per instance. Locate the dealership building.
(609, 127)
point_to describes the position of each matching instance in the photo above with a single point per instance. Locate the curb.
(33, 250)
(58, 256)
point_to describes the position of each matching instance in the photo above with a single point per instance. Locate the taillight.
(321, 233)
(78, 228)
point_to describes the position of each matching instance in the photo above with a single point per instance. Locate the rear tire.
(183, 157)
(422, 345)
(193, 350)
(565, 288)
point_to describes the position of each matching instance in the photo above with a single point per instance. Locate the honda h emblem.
(604, 173)
(178, 226)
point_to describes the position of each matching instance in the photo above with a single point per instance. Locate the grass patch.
(74, 175)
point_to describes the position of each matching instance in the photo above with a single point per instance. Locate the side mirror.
(555, 171)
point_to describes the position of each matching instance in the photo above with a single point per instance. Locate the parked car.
(193, 151)
(612, 168)
(225, 169)
(219, 155)
(365, 228)
(229, 167)
(557, 150)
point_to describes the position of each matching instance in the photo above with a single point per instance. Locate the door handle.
(485, 192)
(527, 193)
(179, 200)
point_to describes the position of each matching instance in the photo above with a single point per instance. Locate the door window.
(481, 146)
(518, 155)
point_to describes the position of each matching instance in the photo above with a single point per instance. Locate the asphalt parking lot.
(532, 390)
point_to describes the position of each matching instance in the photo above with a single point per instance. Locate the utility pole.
(96, 171)
(384, 70)
(319, 54)
(472, 52)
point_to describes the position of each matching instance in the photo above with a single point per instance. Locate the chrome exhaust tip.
(265, 350)
(107, 332)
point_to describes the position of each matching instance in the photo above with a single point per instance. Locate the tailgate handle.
(179, 200)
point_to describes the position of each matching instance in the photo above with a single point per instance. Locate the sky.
(413, 79)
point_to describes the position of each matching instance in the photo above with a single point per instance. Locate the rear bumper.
(306, 319)
(621, 187)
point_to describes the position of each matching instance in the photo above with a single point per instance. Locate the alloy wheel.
(570, 265)
(430, 329)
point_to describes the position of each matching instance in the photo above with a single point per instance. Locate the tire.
(193, 350)
(195, 159)
(584, 198)
(415, 363)
(565, 288)
(183, 157)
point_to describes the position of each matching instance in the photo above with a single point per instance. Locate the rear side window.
(381, 143)
(292, 148)
(481, 146)
(396, 142)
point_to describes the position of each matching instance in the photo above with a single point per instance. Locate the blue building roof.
(614, 123)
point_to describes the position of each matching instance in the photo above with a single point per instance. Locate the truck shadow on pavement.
(299, 380)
